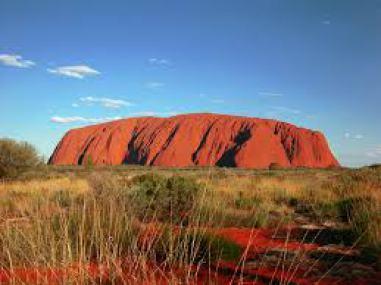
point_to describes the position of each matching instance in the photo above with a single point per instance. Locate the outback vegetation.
(16, 158)
(138, 225)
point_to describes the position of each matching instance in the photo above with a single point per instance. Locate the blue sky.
(317, 64)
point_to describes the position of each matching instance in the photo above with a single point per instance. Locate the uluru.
(195, 140)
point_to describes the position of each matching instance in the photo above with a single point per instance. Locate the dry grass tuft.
(111, 218)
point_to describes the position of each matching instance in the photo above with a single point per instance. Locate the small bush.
(89, 164)
(372, 255)
(364, 215)
(190, 246)
(211, 248)
(376, 166)
(103, 184)
(16, 158)
(275, 166)
(166, 199)
(280, 196)
(246, 202)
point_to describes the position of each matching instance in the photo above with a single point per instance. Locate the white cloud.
(105, 102)
(153, 113)
(348, 135)
(15, 61)
(326, 22)
(76, 71)
(270, 94)
(287, 114)
(154, 85)
(144, 114)
(78, 119)
(159, 61)
(75, 105)
(371, 154)
(375, 153)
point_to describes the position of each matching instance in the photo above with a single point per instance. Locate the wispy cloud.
(75, 71)
(326, 22)
(159, 61)
(154, 85)
(144, 114)
(348, 135)
(207, 98)
(75, 105)
(217, 101)
(374, 153)
(286, 114)
(311, 117)
(282, 109)
(15, 60)
(270, 94)
(371, 154)
(78, 119)
(105, 102)
(153, 113)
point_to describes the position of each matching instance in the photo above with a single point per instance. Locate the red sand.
(40, 275)
(195, 140)
(253, 241)
(100, 273)
(260, 240)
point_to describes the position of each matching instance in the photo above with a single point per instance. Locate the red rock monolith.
(195, 140)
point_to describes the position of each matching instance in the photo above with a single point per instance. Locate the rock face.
(195, 140)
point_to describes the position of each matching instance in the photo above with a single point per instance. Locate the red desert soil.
(252, 268)
(195, 140)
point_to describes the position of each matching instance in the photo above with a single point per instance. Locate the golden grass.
(60, 221)
(46, 186)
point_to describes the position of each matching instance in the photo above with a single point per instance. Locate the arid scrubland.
(143, 224)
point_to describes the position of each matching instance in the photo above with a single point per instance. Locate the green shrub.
(280, 196)
(275, 166)
(372, 255)
(376, 166)
(89, 164)
(246, 202)
(364, 215)
(103, 184)
(211, 248)
(193, 246)
(165, 199)
(16, 158)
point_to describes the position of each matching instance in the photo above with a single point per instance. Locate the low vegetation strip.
(280, 226)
